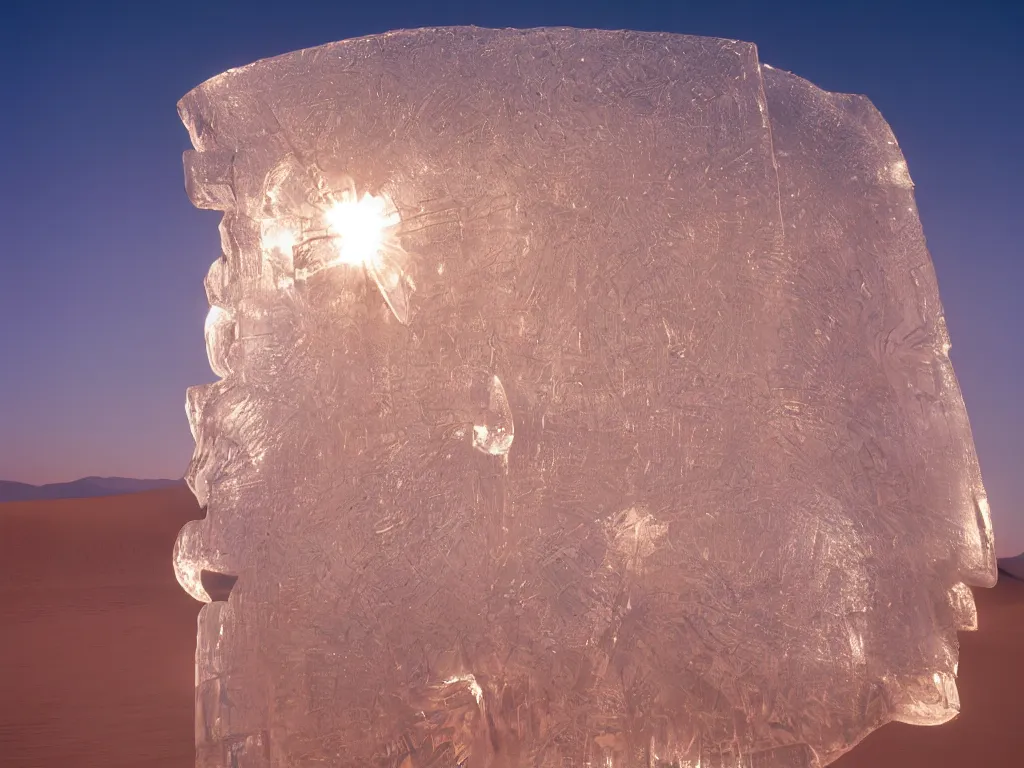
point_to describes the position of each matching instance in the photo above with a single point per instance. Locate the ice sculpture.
(584, 401)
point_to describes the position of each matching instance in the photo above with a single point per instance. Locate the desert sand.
(97, 639)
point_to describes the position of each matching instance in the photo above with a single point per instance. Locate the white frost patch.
(474, 686)
(899, 174)
(634, 535)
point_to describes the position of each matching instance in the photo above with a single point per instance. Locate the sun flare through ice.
(360, 227)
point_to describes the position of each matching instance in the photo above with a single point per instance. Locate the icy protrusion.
(189, 560)
(220, 333)
(964, 609)
(195, 398)
(493, 429)
(217, 283)
(929, 700)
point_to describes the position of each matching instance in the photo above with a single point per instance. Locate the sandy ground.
(97, 639)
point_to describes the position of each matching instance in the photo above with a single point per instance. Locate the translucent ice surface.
(584, 400)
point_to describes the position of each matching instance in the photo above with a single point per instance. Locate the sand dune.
(97, 639)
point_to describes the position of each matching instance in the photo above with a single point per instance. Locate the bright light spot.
(359, 227)
(474, 686)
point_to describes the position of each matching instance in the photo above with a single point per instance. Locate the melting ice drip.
(663, 463)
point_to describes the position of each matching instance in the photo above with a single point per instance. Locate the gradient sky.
(101, 299)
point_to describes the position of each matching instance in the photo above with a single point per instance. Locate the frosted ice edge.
(915, 391)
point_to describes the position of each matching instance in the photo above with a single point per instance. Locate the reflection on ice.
(493, 429)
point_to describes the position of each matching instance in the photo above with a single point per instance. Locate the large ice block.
(584, 400)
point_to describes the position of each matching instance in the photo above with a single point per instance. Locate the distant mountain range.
(1013, 566)
(80, 489)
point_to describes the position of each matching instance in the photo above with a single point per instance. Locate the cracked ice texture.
(635, 442)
